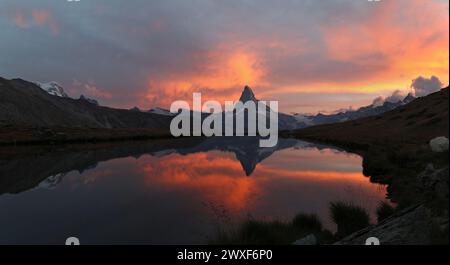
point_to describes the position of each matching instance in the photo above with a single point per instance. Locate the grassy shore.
(347, 217)
(13, 135)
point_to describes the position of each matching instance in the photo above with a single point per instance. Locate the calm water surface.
(171, 196)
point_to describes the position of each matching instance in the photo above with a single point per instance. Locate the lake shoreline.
(28, 136)
(395, 148)
(422, 216)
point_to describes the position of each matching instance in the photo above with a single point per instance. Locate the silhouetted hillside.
(24, 103)
(416, 122)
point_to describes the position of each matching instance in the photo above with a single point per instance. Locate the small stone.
(439, 144)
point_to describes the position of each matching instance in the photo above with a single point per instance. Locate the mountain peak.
(89, 100)
(247, 95)
(135, 109)
(161, 111)
(410, 97)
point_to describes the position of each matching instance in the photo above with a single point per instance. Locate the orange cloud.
(396, 42)
(405, 42)
(20, 20)
(38, 17)
(95, 91)
(221, 77)
(91, 89)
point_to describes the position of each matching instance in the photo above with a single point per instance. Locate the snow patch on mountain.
(161, 111)
(53, 88)
(52, 181)
(307, 120)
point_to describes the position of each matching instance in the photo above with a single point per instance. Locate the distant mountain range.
(48, 105)
(366, 111)
(159, 111)
(24, 103)
(297, 121)
(53, 88)
(416, 122)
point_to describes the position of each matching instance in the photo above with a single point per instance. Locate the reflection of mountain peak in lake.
(246, 149)
(29, 169)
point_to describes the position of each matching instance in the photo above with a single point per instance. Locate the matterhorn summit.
(247, 95)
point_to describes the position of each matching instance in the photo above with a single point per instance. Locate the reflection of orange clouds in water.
(310, 175)
(219, 178)
(94, 176)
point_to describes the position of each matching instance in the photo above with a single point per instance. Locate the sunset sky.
(310, 55)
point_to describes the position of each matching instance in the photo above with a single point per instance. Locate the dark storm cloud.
(112, 44)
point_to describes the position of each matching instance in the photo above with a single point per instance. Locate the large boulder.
(439, 144)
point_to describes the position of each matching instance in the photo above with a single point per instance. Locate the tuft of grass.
(349, 218)
(384, 210)
(308, 222)
(272, 232)
(254, 232)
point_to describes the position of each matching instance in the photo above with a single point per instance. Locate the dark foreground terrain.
(396, 152)
(13, 135)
